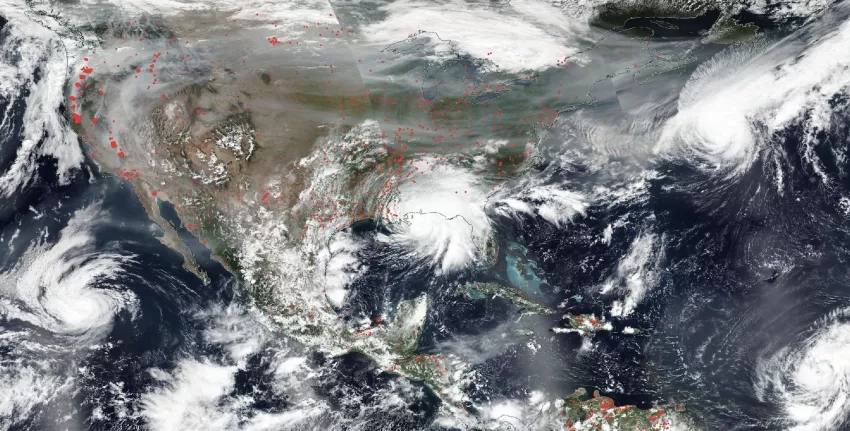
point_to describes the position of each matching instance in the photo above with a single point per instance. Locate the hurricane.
(70, 287)
(810, 377)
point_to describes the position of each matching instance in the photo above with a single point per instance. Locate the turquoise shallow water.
(522, 271)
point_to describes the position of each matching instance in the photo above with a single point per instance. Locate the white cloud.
(734, 102)
(445, 223)
(522, 36)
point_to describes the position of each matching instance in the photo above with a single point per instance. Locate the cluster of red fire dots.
(395, 168)
(600, 411)
(435, 363)
(434, 111)
(331, 32)
(128, 174)
(450, 123)
(86, 71)
(81, 86)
